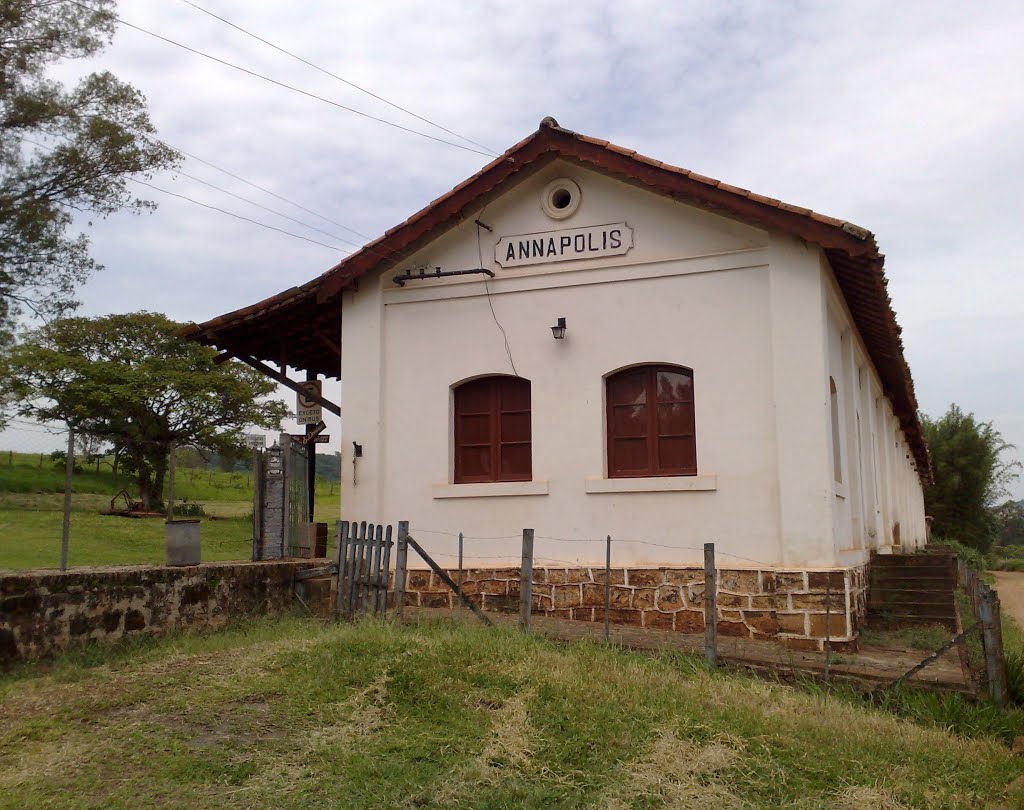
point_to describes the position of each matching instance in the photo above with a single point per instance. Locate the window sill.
(675, 483)
(491, 490)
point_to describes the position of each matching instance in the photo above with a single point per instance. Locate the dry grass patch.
(680, 773)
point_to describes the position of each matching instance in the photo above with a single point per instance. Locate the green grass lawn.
(31, 504)
(31, 539)
(295, 714)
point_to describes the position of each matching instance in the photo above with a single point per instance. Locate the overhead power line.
(268, 209)
(356, 245)
(236, 216)
(291, 87)
(335, 76)
(258, 187)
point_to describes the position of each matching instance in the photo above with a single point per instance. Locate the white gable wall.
(743, 309)
(879, 504)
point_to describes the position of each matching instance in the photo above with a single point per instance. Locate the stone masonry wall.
(785, 605)
(43, 612)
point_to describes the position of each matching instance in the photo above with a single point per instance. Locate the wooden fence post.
(992, 636)
(340, 550)
(828, 624)
(710, 606)
(526, 581)
(401, 559)
(607, 584)
(459, 582)
(385, 573)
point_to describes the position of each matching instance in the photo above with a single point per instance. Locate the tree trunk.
(146, 488)
(158, 484)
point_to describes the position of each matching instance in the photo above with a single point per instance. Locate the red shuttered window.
(492, 430)
(650, 422)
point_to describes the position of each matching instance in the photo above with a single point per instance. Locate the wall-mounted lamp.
(558, 330)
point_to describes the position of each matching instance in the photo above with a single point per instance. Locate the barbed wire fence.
(452, 546)
(37, 435)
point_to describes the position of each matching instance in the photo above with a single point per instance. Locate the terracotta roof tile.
(734, 189)
(620, 149)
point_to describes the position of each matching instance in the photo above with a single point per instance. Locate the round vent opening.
(560, 198)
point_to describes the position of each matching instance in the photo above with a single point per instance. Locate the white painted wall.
(881, 488)
(747, 311)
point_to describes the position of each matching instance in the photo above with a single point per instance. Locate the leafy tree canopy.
(130, 380)
(63, 150)
(970, 477)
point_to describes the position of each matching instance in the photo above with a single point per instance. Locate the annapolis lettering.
(534, 248)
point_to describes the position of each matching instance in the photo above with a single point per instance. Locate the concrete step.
(916, 611)
(944, 577)
(922, 564)
(913, 595)
(912, 603)
(905, 620)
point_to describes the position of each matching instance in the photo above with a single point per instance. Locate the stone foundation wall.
(785, 605)
(43, 612)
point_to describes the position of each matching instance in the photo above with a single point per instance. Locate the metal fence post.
(401, 557)
(526, 581)
(69, 469)
(710, 606)
(607, 584)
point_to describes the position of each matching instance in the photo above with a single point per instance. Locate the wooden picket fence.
(363, 567)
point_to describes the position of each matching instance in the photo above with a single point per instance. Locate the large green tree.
(64, 150)
(131, 380)
(971, 475)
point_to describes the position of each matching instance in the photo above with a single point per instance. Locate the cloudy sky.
(906, 118)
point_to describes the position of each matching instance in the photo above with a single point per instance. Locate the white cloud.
(905, 118)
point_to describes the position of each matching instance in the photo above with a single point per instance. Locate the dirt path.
(1010, 585)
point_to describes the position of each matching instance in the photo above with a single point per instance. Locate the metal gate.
(363, 560)
(280, 508)
(296, 495)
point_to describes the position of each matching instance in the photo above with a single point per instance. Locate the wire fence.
(540, 558)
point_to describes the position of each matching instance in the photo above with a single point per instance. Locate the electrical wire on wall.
(487, 291)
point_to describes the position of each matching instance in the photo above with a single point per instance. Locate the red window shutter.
(492, 430)
(650, 422)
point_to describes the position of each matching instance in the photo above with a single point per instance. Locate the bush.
(1012, 564)
(189, 510)
(1015, 676)
(971, 556)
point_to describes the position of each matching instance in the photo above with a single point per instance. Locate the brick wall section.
(43, 612)
(785, 605)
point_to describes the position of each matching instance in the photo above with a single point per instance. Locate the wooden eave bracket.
(283, 378)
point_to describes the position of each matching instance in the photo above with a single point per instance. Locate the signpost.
(308, 411)
(314, 435)
(302, 438)
(255, 441)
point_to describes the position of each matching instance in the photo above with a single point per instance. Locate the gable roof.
(309, 314)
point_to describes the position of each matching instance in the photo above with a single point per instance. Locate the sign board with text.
(302, 438)
(308, 411)
(593, 242)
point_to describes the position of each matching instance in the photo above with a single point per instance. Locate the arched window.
(492, 430)
(650, 422)
(837, 459)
